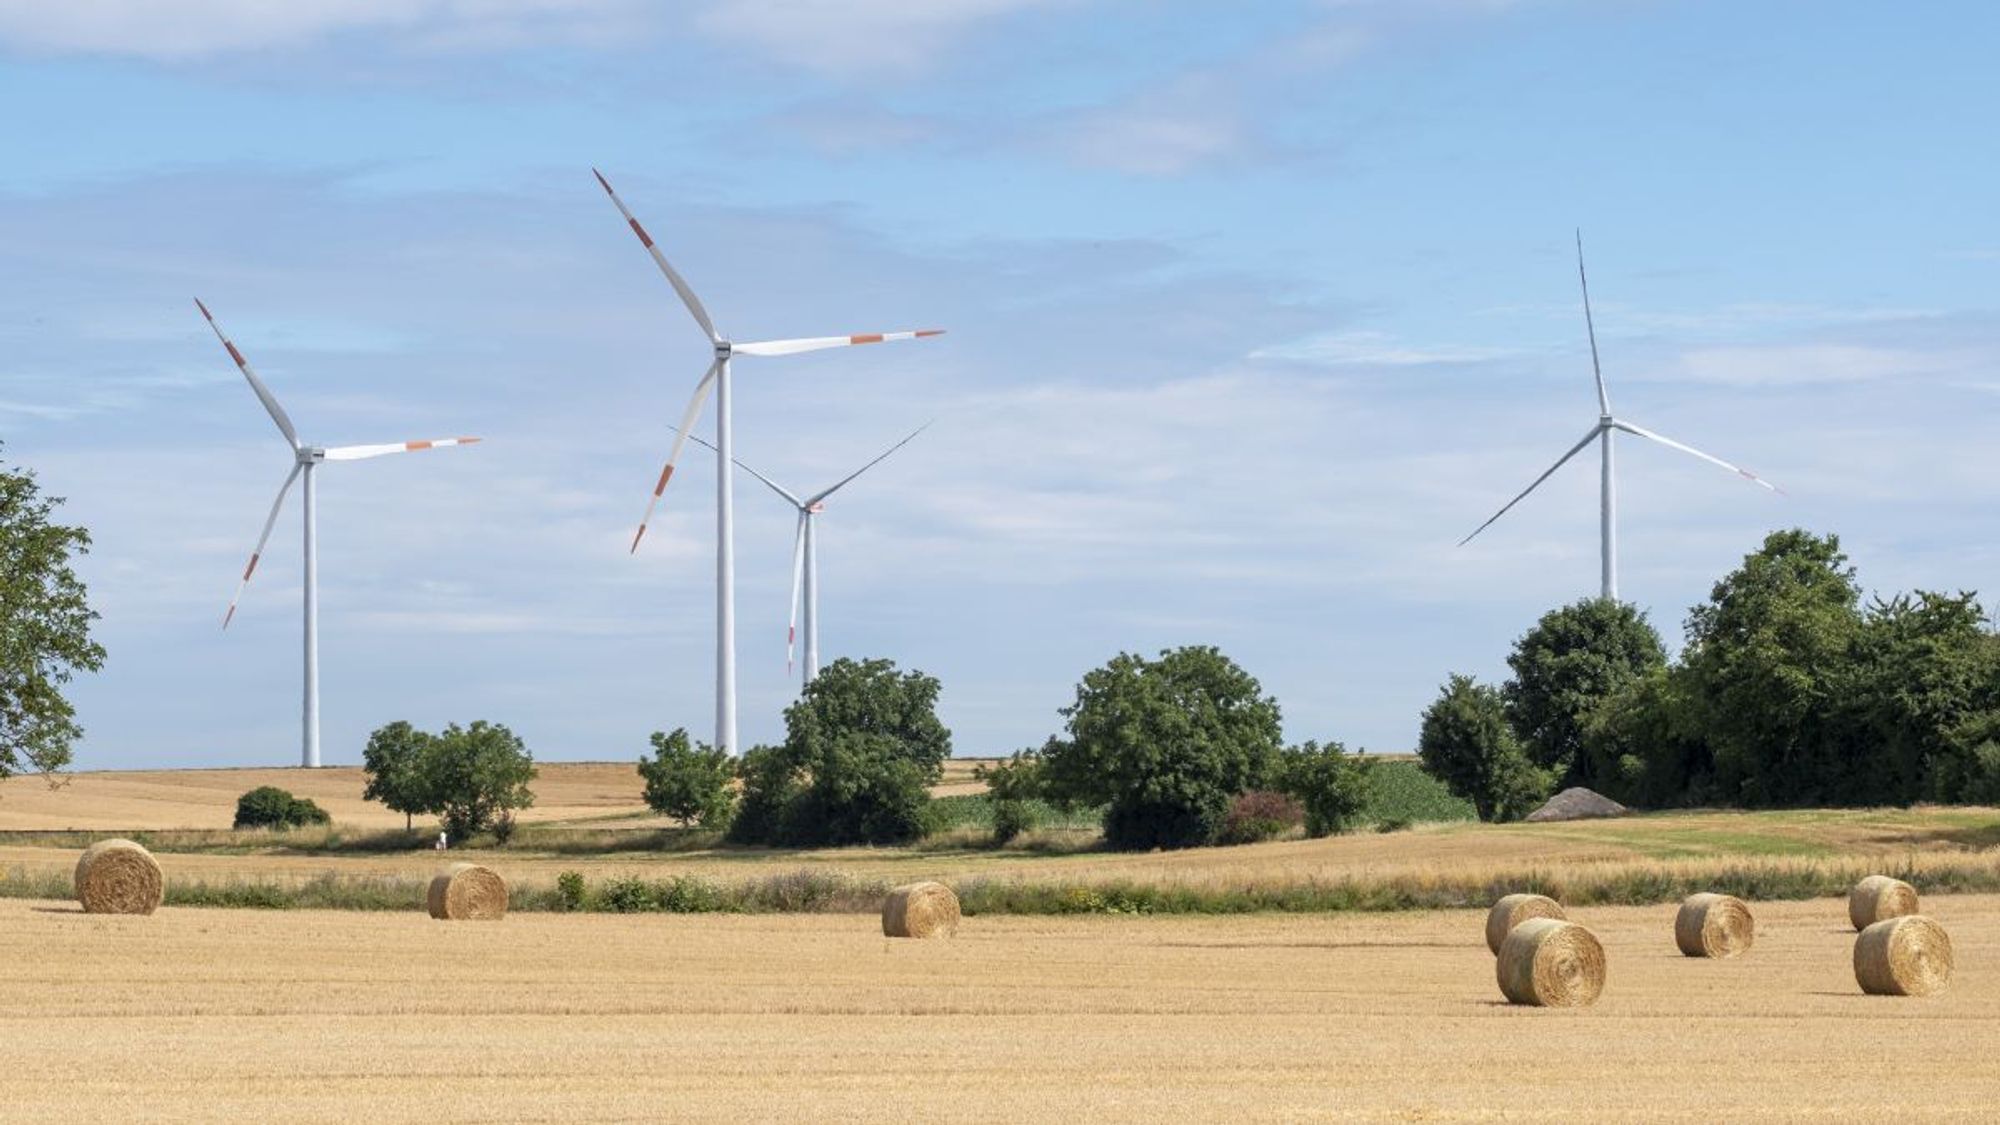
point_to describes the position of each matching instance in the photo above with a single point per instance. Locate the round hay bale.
(1711, 925)
(920, 910)
(1513, 910)
(1907, 956)
(1878, 897)
(119, 877)
(467, 892)
(1551, 963)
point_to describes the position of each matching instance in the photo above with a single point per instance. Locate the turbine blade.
(270, 521)
(819, 343)
(358, 452)
(1560, 461)
(688, 419)
(257, 386)
(674, 278)
(798, 580)
(773, 485)
(884, 456)
(1689, 449)
(1603, 399)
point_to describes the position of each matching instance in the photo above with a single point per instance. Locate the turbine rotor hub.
(722, 349)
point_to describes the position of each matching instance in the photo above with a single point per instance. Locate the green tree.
(1925, 681)
(1466, 743)
(1564, 668)
(268, 806)
(45, 619)
(1768, 661)
(693, 784)
(477, 776)
(1645, 744)
(1165, 743)
(393, 762)
(863, 745)
(1332, 784)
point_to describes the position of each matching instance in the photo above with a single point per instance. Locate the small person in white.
(442, 843)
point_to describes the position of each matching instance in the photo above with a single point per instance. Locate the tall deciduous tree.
(1767, 656)
(1564, 668)
(862, 747)
(45, 621)
(1466, 743)
(1165, 743)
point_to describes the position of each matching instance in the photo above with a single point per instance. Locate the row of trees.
(1163, 746)
(1790, 690)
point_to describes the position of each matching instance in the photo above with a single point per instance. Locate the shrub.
(1333, 786)
(1165, 743)
(863, 745)
(694, 784)
(268, 806)
(569, 891)
(1010, 818)
(1259, 815)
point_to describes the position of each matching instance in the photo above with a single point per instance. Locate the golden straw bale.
(467, 892)
(1907, 956)
(1878, 897)
(1711, 925)
(920, 910)
(119, 877)
(1513, 910)
(1551, 963)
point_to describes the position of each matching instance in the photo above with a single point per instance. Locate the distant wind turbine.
(717, 378)
(1606, 425)
(805, 552)
(305, 459)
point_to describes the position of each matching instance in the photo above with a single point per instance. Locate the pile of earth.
(1577, 804)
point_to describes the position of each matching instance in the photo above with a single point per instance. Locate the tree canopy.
(45, 619)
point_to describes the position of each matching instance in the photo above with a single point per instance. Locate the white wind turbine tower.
(805, 552)
(717, 379)
(305, 460)
(1607, 424)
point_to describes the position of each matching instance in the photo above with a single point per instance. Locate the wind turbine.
(805, 553)
(305, 460)
(1608, 424)
(717, 379)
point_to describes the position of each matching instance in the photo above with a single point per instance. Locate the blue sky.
(1253, 314)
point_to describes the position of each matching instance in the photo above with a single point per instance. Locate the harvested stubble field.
(604, 794)
(227, 1015)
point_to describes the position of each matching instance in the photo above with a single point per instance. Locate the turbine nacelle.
(311, 454)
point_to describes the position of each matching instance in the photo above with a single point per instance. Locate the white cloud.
(190, 28)
(850, 37)
(1801, 364)
(1376, 349)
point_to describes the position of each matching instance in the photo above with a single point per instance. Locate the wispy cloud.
(857, 37)
(176, 29)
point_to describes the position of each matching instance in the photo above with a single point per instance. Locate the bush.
(569, 891)
(1259, 815)
(1333, 786)
(693, 784)
(268, 806)
(1165, 743)
(863, 745)
(1010, 818)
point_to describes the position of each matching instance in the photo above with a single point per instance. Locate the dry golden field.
(601, 793)
(301, 1016)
